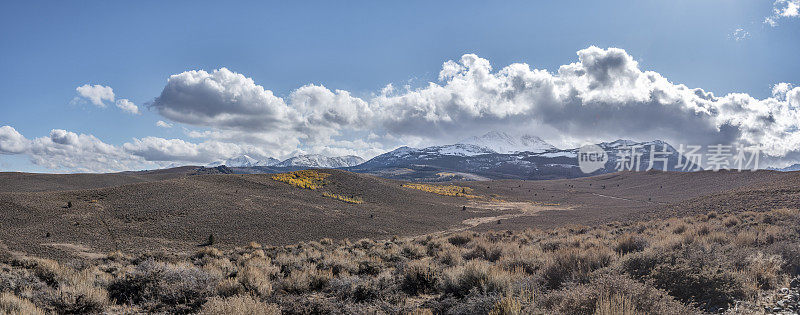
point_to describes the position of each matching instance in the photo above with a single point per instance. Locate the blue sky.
(51, 48)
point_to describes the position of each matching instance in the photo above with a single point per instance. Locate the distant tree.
(69, 204)
(210, 240)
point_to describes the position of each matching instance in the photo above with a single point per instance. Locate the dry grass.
(240, 304)
(703, 263)
(12, 304)
(616, 304)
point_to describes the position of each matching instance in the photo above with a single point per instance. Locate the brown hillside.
(175, 211)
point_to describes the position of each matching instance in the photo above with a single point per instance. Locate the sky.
(100, 86)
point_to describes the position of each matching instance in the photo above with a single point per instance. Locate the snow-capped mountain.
(245, 161)
(405, 155)
(321, 161)
(504, 143)
(790, 168)
(426, 163)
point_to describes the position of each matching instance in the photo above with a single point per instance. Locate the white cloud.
(99, 94)
(69, 151)
(128, 106)
(163, 124)
(739, 34)
(12, 142)
(176, 150)
(222, 99)
(96, 94)
(783, 9)
(603, 95)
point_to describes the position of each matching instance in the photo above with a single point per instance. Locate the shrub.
(478, 275)
(629, 243)
(764, 270)
(711, 288)
(12, 304)
(615, 293)
(507, 306)
(240, 304)
(80, 298)
(527, 259)
(574, 264)
(615, 304)
(306, 279)
(255, 279)
(484, 250)
(370, 266)
(19, 280)
(459, 239)
(360, 290)
(229, 287)
(730, 222)
(47, 270)
(338, 263)
(413, 251)
(160, 286)
(420, 277)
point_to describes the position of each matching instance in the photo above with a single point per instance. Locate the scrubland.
(733, 262)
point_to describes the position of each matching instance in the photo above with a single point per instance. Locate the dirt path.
(78, 249)
(627, 199)
(506, 210)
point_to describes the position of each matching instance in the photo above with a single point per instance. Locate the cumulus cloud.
(603, 95)
(222, 99)
(127, 106)
(163, 124)
(783, 9)
(96, 94)
(69, 151)
(321, 107)
(11, 141)
(177, 150)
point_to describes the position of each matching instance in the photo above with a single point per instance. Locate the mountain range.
(501, 142)
(305, 160)
(790, 168)
(494, 155)
(527, 160)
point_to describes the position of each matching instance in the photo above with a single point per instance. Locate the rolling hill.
(177, 209)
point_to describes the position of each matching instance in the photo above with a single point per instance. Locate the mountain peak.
(321, 161)
(504, 143)
(244, 161)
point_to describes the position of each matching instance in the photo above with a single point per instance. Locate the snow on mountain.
(790, 168)
(244, 161)
(451, 149)
(546, 164)
(504, 143)
(459, 149)
(317, 160)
